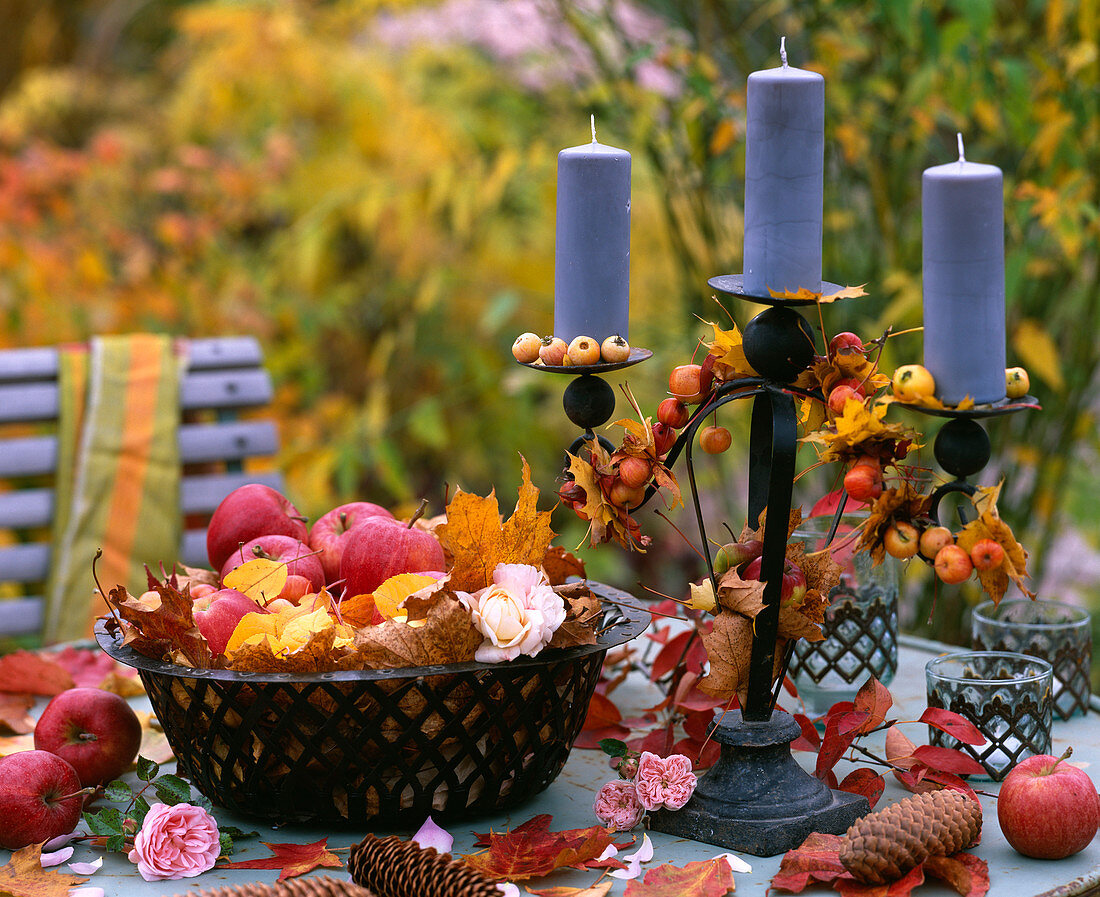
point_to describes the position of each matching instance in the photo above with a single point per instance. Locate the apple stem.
(1066, 754)
(418, 513)
(83, 792)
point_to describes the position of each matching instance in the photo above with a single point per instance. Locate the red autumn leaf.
(88, 667)
(531, 850)
(14, 717)
(948, 760)
(833, 745)
(696, 725)
(659, 741)
(291, 859)
(920, 779)
(809, 740)
(674, 651)
(958, 727)
(875, 700)
(817, 861)
(589, 739)
(703, 754)
(866, 782)
(705, 878)
(964, 872)
(25, 672)
(602, 713)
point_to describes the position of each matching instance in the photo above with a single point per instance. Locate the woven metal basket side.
(452, 745)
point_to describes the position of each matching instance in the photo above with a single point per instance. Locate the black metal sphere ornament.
(962, 447)
(589, 401)
(779, 344)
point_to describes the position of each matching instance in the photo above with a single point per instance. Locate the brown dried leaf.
(165, 631)
(860, 430)
(23, 876)
(474, 536)
(560, 564)
(729, 647)
(447, 636)
(795, 624)
(745, 597)
(902, 503)
(989, 525)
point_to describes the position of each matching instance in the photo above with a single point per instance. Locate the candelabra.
(756, 798)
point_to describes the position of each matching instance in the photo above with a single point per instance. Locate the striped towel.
(118, 474)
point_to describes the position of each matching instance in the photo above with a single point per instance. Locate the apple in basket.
(217, 615)
(300, 560)
(329, 534)
(381, 547)
(40, 798)
(247, 512)
(94, 730)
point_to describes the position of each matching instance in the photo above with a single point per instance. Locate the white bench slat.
(193, 548)
(199, 494)
(28, 402)
(21, 616)
(28, 562)
(28, 456)
(202, 354)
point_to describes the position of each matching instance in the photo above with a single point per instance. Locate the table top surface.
(569, 800)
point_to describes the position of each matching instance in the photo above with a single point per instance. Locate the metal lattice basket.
(352, 746)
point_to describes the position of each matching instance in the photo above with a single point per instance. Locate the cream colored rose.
(517, 614)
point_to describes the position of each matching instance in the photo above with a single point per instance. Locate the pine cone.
(883, 846)
(292, 887)
(392, 867)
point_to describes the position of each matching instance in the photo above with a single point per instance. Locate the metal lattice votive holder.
(861, 622)
(354, 746)
(1007, 696)
(1058, 633)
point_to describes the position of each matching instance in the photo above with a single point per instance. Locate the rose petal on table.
(87, 868)
(634, 861)
(608, 853)
(508, 889)
(86, 892)
(736, 864)
(60, 841)
(56, 858)
(431, 835)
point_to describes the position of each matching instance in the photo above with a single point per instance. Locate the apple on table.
(1047, 808)
(94, 730)
(41, 797)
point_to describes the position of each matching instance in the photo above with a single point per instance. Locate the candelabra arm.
(772, 449)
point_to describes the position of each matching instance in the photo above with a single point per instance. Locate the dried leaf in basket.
(448, 636)
(164, 629)
(474, 536)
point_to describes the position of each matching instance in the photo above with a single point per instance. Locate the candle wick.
(959, 136)
(593, 120)
(783, 50)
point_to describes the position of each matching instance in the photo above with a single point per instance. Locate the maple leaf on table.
(599, 889)
(531, 850)
(23, 876)
(704, 878)
(477, 541)
(817, 861)
(291, 860)
(29, 673)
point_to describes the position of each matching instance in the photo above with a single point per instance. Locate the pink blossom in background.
(664, 782)
(617, 805)
(180, 841)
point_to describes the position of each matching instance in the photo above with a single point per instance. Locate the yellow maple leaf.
(804, 294)
(861, 430)
(728, 349)
(474, 536)
(989, 525)
(390, 595)
(260, 579)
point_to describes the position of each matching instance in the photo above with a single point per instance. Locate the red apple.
(299, 558)
(41, 797)
(1048, 809)
(94, 730)
(793, 588)
(328, 534)
(734, 554)
(664, 438)
(381, 547)
(217, 615)
(846, 342)
(247, 512)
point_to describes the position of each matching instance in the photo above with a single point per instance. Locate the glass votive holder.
(861, 621)
(1007, 696)
(1059, 633)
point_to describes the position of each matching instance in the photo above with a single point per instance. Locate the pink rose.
(175, 842)
(617, 805)
(665, 782)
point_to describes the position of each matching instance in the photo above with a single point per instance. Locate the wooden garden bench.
(221, 377)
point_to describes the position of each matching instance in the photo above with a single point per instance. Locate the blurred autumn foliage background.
(368, 187)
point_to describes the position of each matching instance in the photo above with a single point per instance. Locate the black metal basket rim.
(627, 623)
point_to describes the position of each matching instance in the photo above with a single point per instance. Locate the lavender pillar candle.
(784, 179)
(592, 258)
(962, 226)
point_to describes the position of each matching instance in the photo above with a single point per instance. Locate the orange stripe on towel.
(120, 526)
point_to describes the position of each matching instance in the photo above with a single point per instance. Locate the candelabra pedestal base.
(756, 799)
